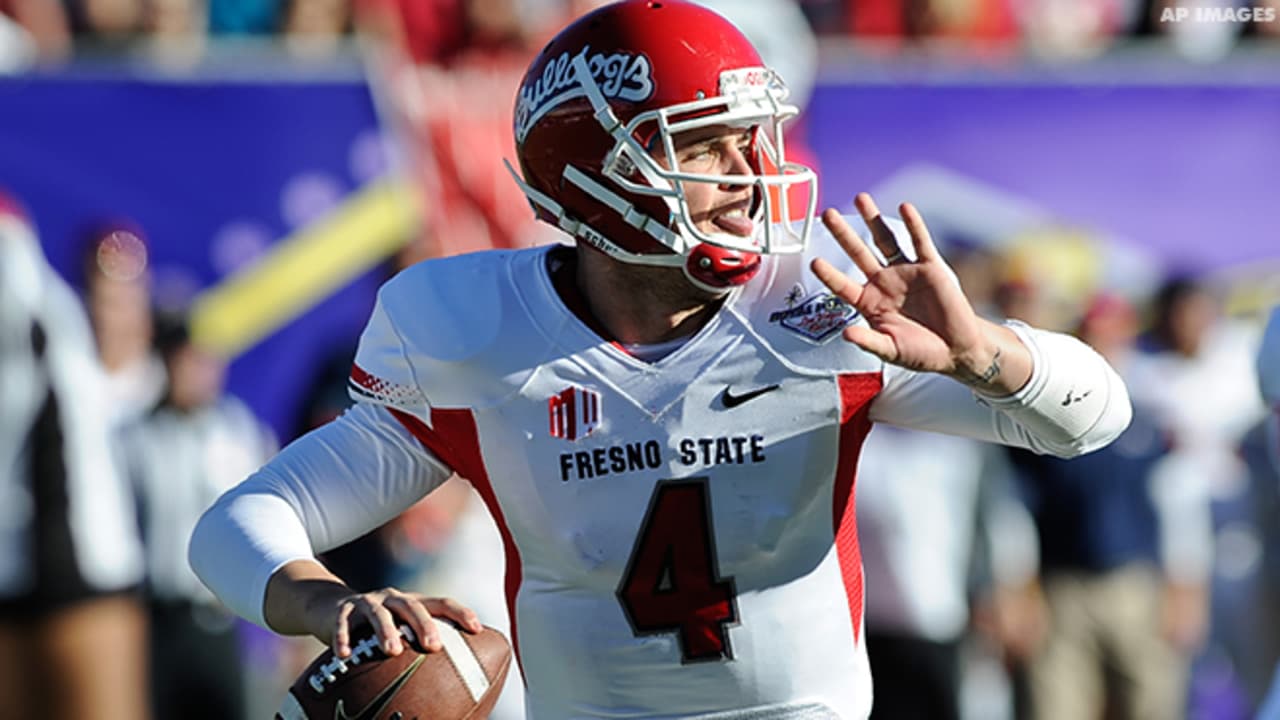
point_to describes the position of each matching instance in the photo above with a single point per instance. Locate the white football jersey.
(680, 535)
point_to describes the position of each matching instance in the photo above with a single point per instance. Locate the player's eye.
(698, 153)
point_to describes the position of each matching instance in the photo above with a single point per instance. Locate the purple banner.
(1190, 174)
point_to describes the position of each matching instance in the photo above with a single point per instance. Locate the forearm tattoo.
(992, 370)
(971, 378)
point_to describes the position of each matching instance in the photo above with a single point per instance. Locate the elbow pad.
(1074, 402)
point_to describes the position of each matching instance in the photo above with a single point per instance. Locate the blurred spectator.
(17, 47)
(175, 31)
(177, 19)
(244, 17)
(110, 21)
(455, 136)
(1073, 29)
(72, 634)
(32, 29)
(195, 444)
(118, 296)
(1125, 612)
(976, 22)
(315, 27)
(938, 525)
(1192, 347)
(1268, 29)
(1193, 37)
(1268, 363)
(425, 31)
(1269, 374)
(1019, 300)
(976, 267)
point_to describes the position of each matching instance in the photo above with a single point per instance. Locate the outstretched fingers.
(837, 282)
(926, 251)
(841, 286)
(886, 242)
(851, 243)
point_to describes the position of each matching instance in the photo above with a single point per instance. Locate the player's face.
(717, 150)
(195, 377)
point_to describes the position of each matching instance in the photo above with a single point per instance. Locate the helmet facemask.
(758, 106)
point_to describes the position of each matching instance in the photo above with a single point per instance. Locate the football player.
(665, 419)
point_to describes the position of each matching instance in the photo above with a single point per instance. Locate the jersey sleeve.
(324, 489)
(1073, 403)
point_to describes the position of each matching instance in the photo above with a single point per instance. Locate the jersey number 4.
(672, 584)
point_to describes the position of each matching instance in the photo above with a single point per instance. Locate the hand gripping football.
(461, 682)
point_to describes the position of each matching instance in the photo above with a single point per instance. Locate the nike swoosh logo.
(732, 401)
(1070, 398)
(379, 703)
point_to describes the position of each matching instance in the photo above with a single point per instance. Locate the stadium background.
(278, 178)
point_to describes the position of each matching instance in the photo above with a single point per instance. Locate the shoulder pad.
(448, 309)
(447, 333)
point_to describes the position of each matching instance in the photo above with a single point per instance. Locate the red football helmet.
(607, 96)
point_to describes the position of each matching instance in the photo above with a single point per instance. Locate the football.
(461, 682)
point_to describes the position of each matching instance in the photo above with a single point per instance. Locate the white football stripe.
(291, 709)
(463, 659)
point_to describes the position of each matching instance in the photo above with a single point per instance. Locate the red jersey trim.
(367, 385)
(454, 439)
(856, 392)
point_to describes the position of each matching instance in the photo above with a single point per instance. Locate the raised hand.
(917, 316)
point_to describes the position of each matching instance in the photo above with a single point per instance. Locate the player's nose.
(736, 162)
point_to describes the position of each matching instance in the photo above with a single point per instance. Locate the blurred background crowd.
(441, 29)
(224, 183)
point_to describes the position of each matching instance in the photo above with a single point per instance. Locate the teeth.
(736, 213)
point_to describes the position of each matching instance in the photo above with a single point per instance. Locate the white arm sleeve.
(326, 488)
(1073, 403)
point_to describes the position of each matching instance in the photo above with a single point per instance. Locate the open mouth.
(735, 219)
